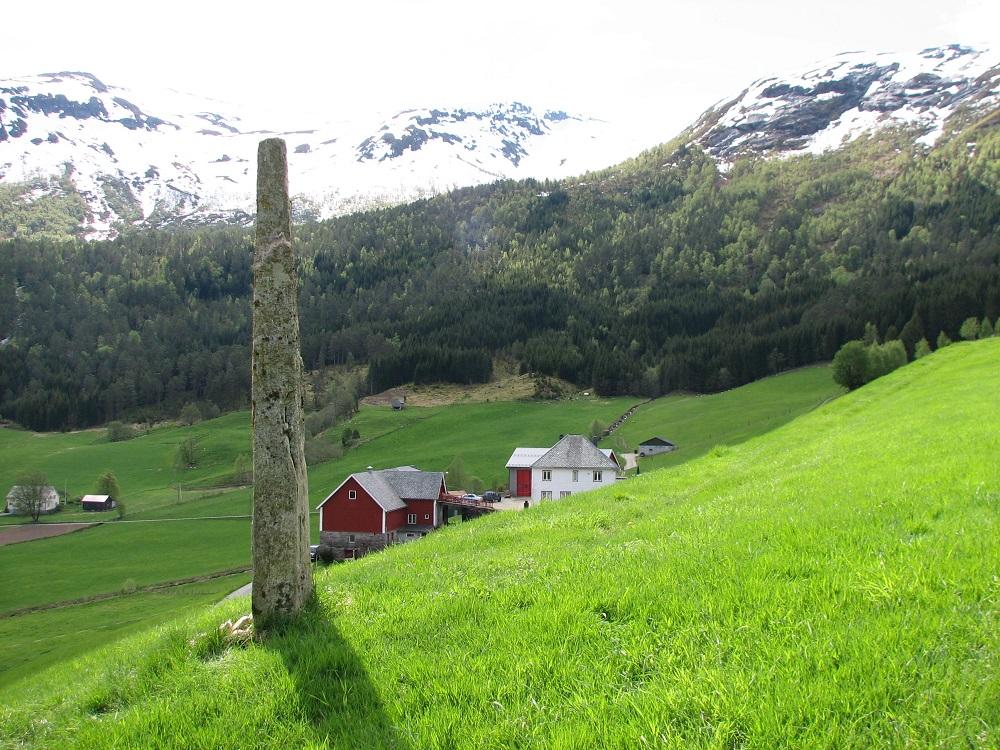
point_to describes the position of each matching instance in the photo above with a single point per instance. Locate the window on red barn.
(411, 518)
(352, 494)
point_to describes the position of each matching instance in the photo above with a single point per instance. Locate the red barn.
(372, 509)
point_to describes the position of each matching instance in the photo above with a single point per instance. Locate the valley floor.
(831, 583)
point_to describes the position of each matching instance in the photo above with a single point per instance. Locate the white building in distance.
(572, 465)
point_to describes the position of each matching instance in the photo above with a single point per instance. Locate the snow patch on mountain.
(854, 93)
(153, 158)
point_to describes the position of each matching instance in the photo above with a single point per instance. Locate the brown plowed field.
(30, 532)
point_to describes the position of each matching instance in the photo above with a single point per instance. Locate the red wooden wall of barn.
(362, 514)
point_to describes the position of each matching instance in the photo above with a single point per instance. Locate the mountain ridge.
(174, 158)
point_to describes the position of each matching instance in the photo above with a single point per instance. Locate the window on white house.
(565, 493)
(546, 494)
(546, 475)
(411, 518)
(597, 476)
(576, 475)
(352, 494)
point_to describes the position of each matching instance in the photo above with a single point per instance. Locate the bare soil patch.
(509, 388)
(30, 532)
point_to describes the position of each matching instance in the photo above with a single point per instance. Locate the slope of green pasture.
(697, 424)
(33, 641)
(108, 557)
(144, 465)
(483, 435)
(830, 584)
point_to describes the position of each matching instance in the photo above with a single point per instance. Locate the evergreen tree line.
(660, 274)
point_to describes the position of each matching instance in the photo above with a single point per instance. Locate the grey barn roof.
(379, 489)
(574, 452)
(390, 487)
(414, 485)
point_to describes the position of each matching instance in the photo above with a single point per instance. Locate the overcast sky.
(657, 65)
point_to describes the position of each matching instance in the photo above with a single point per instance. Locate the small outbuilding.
(97, 502)
(49, 501)
(654, 446)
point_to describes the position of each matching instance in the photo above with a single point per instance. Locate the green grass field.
(31, 642)
(832, 583)
(698, 424)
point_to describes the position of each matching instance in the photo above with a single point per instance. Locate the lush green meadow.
(31, 642)
(696, 424)
(832, 583)
(483, 435)
(116, 556)
(155, 545)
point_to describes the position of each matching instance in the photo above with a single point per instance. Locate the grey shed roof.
(574, 452)
(657, 440)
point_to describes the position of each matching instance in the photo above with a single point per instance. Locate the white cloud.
(658, 64)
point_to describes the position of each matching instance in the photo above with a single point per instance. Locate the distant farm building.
(50, 501)
(97, 502)
(572, 465)
(654, 446)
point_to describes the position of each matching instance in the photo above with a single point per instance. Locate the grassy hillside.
(696, 424)
(31, 642)
(829, 584)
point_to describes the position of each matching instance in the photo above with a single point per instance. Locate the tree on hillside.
(943, 340)
(28, 495)
(969, 330)
(596, 430)
(107, 484)
(190, 414)
(242, 469)
(850, 365)
(884, 358)
(985, 329)
(922, 349)
(119, 431)
(188, 454)
(457, 476)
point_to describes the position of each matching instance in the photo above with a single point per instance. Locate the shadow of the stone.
(335, 692)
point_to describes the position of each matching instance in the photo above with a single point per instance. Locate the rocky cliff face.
(851, 94)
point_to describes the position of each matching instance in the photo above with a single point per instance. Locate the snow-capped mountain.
(153, 158)
(851, 94)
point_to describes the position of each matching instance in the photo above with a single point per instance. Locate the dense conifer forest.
(659, 274)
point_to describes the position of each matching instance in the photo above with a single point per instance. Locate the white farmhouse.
(49, 501)
(572, 465)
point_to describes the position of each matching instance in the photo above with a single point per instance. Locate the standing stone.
(282, 581)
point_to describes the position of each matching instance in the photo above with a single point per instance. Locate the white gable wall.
(562, 481)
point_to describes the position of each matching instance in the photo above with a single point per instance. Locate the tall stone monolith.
(282, 581)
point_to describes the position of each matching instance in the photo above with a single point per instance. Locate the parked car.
(313, 550)
(471, 496)
(492, 496)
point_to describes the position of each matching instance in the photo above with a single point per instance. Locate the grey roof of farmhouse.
(574, 452)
